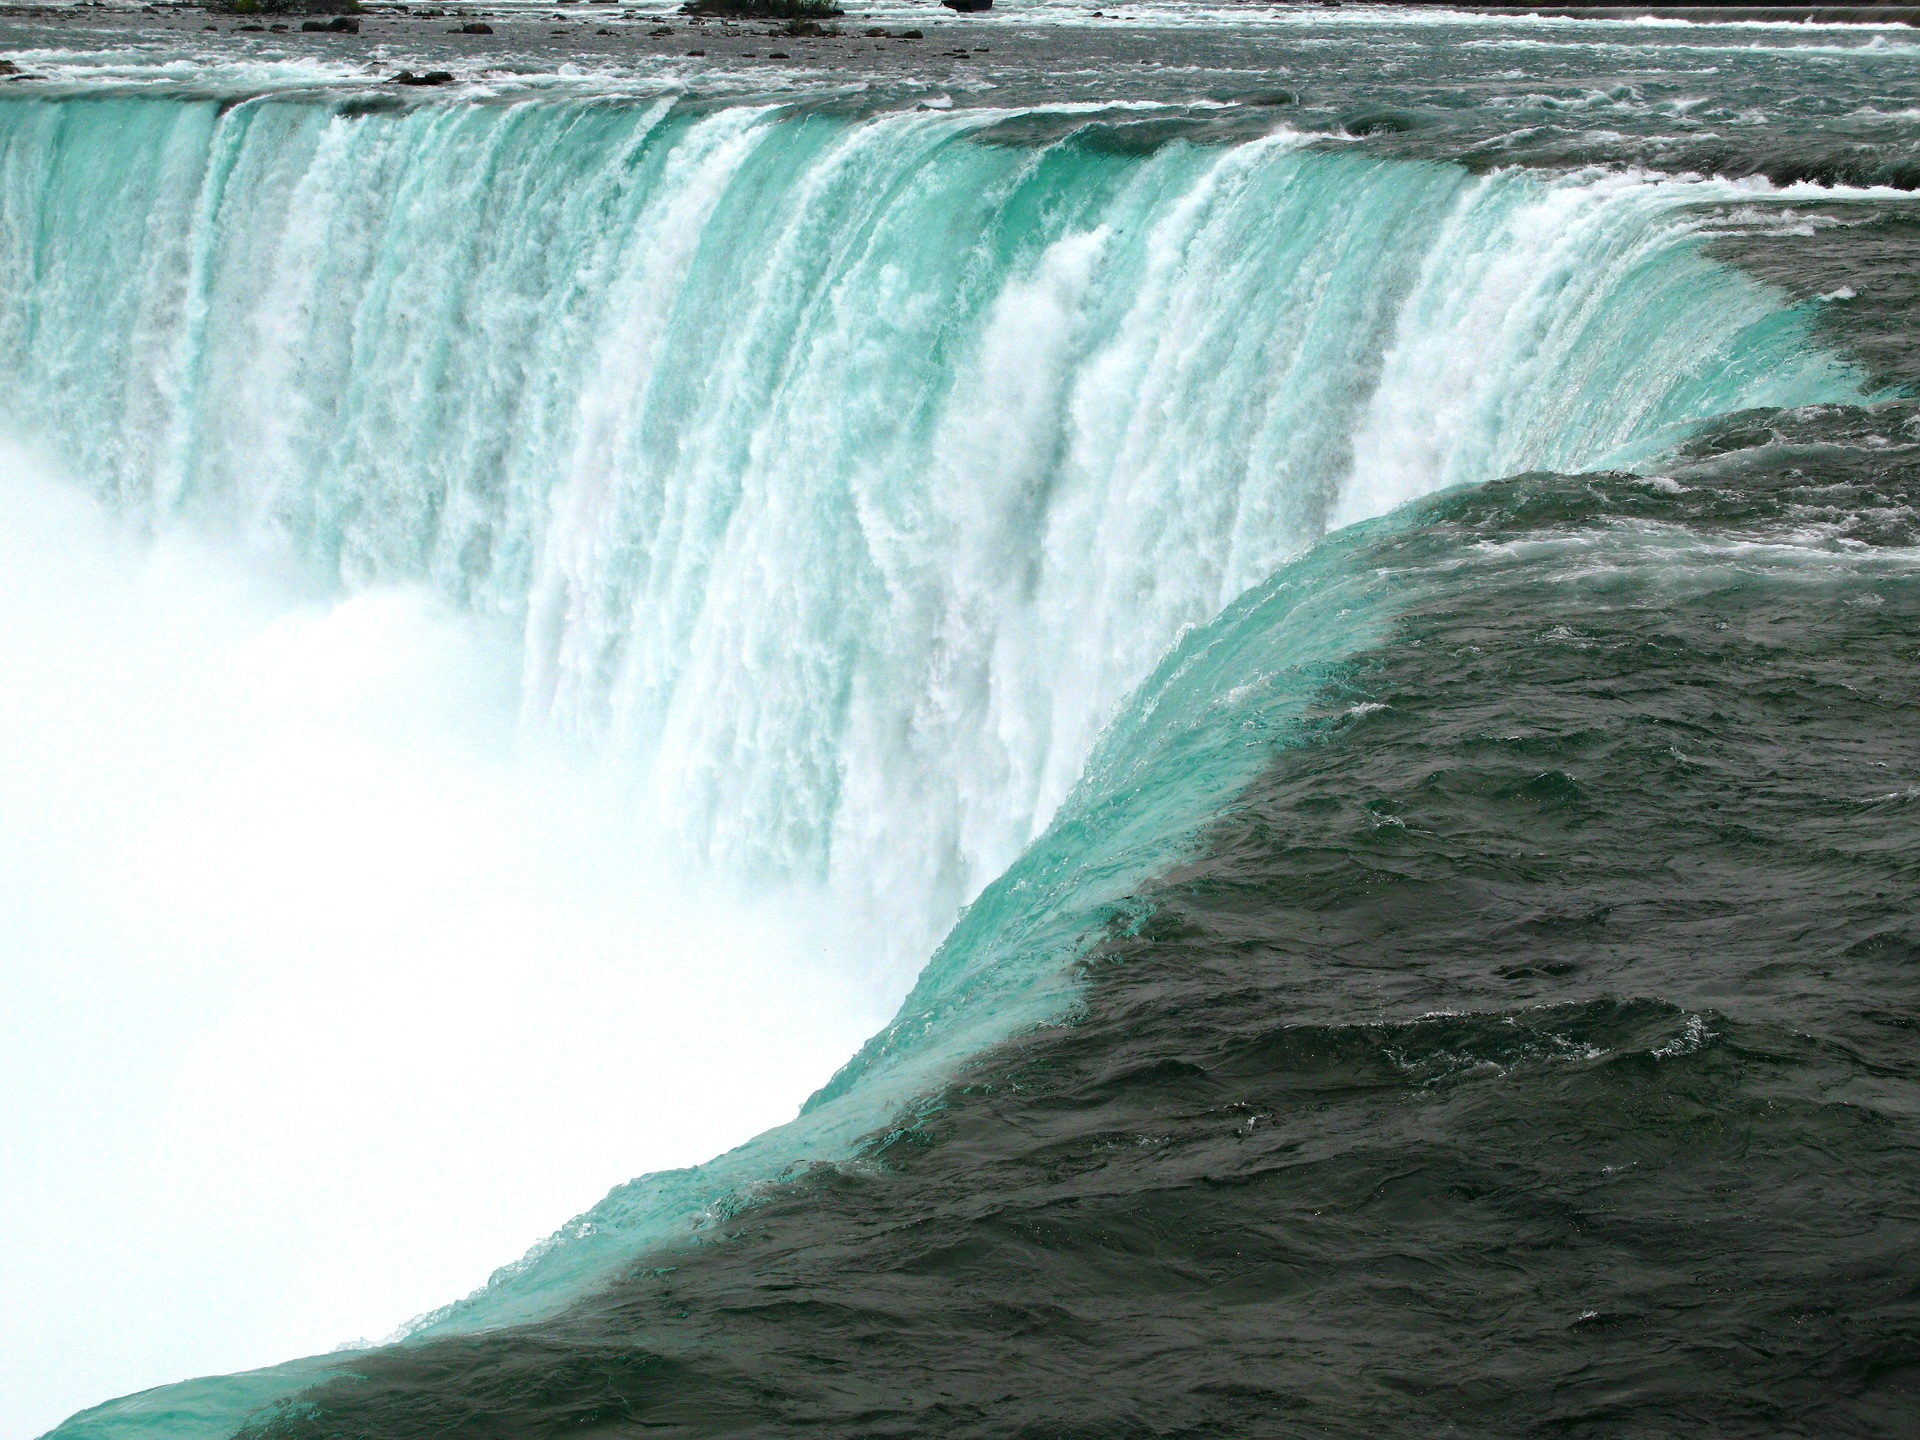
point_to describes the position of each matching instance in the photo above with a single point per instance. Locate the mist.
(326, 984)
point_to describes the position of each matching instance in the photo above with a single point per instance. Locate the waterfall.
(842, 476)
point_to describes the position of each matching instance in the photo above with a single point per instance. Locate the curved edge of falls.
(848, 478)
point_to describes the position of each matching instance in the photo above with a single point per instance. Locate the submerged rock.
(432, 77)
(1380, 122)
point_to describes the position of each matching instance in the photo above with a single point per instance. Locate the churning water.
(1319, 607)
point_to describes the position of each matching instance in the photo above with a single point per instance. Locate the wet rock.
(432, 77)
(792, 10)
(476, 27)
(1380, 122)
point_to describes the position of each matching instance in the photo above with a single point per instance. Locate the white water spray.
(324, 989)
(830, 484)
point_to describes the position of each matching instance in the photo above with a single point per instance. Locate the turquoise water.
(926, 504)
(844, 475)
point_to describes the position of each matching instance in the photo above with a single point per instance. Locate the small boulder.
(1380, 122)
(474, 27)
(968, 7)
(432, 77)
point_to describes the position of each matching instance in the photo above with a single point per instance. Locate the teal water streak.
(846, 477)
